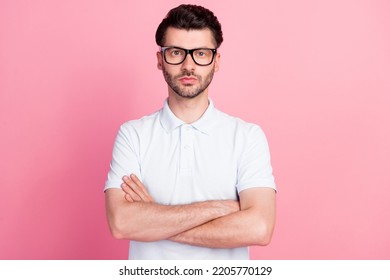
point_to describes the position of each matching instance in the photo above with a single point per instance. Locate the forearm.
(142, 221)
(243, 228)
(199, 224)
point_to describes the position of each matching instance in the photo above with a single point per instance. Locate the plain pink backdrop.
(314, 74)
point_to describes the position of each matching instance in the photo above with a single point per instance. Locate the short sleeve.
(125, 157)
(254, 168)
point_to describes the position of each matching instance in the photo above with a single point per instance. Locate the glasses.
(176, 55)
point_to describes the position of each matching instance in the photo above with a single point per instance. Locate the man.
(201, 183)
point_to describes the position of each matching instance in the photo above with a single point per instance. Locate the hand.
(135, 190)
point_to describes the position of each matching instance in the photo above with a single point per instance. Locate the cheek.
(166, 70)
(210, 72)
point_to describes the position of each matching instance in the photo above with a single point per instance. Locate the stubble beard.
(188, 91)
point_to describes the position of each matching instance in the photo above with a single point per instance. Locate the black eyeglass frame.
(191, 52)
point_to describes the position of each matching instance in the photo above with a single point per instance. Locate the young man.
(190, 182)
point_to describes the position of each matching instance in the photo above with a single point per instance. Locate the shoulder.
(132, 130)
(239, 125)
(139, 124)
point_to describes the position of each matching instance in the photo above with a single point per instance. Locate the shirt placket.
(186, 150)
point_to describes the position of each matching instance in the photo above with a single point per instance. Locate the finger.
(128, 198)
(143, 191)
(138, 182)
(136, 185)
(129, 191)
(130, 195)
(137, 188)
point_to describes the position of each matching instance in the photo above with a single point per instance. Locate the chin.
(189, 95)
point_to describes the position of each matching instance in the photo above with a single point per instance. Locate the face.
(188, 79)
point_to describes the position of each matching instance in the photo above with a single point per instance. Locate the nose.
(188, 63)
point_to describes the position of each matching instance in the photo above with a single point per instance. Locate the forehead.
(189, 39)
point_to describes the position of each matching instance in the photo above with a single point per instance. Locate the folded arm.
(252, 225)
(201, 226)
(144, 220)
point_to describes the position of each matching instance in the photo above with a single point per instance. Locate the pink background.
(314, 74)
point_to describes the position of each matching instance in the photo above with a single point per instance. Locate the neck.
(188, 110)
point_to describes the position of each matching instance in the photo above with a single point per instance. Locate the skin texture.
(251, 221)
(128, 220)
(132, 212)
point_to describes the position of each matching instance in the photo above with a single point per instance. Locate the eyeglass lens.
(177, 55)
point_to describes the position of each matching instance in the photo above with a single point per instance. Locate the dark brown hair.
(190, 17)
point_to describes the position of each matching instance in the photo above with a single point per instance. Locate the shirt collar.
(169, 121)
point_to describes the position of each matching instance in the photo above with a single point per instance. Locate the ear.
(217, 61)
(159, 60)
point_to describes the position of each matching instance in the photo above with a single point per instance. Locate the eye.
(176, 52)
(203, 53)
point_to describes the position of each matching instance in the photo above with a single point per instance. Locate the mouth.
(188, 80)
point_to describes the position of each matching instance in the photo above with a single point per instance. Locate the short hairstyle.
(190, 17)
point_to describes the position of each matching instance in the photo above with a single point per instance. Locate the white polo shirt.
(213, 158)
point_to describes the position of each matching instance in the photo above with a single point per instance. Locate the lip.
(188, 80)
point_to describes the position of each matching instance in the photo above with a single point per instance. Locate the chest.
(187, 166)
